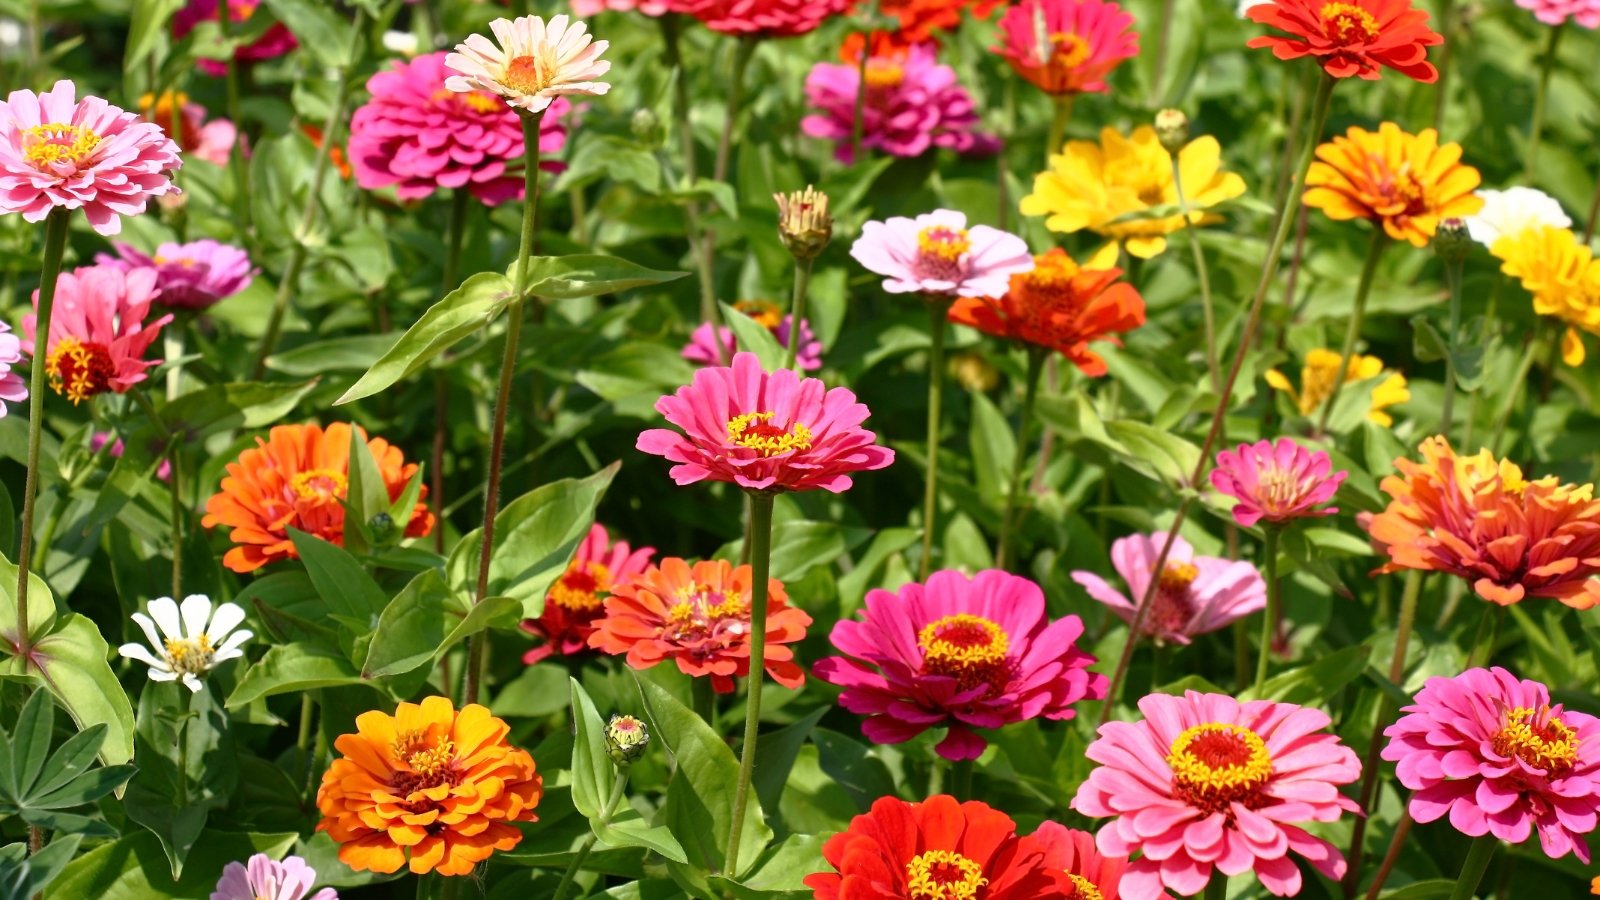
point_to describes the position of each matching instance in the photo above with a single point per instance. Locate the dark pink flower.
(273, 43)
(913, 105)
(768, 18)
(98, 333)
(196, 275)
(1276, 480)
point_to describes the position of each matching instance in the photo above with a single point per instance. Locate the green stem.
(1594, 212)
(175, 488)
(1441, 93)
(760, 563)
(1514, 390)
(1472, 869)
(1352, 332)
(797, 313)
(238, 164)
(1058, 124)
(1217, 887)
(858, 116)
(938, 323)
(449, 887)
(700, 245)
(1213, 365)
(1488, 635)
(741, 63)
(1402, 829)
(1163, 40)
(455, 234)
(183, 750)
(619, 785)
(1536, 124)
(1030, 393)
(1270, 616)
(961, 787)
(302, 740)
(1452, 278)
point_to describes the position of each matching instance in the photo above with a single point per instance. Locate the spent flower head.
(804, 222)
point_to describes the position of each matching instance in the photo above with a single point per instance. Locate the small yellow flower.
(1563, 276)
(1317, 380)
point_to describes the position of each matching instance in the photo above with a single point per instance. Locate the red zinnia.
(1351, 37)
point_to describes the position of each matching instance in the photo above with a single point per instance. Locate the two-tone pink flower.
(98, 333)
(937, 253)
(1278, 481)
(196, 275)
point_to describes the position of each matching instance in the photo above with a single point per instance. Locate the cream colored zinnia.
(534, 63)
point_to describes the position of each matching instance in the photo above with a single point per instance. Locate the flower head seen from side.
(13, 387)
(1206, 783)
(1194, 594)
(762, 18)
(1067, 46)
(98, 332)
(1112, 186)
(698, 615)
(1563, 275)
(428, 786)
(1278, 481)
(960, 653)
(1320, 371)
(577, 598)
(196, 275)
(185, 123)
(1404, 183)
(533, 63)
(276, 41)
(189, 640)
(1512, 211)
(1559, 12)
(1090, 874)
(702, 348)
(262, 878)
(58, 152)
(937, 253)
(1490, 752)
(1350, 38)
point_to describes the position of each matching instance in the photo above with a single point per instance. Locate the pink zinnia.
(260, 878)
(913, 104)
(936, 253)
(1276, 480)
(1067, 46)
(1197, 594)
(588, 8)
(577, 598)
(420, 136)
(13, 388)
(767, 18)
(764, 431)
(959, 653)
(98, 335)
(58, 152)
(1556, 12)
(196, 275)
(702, 347)
(1490, 750)
(1091, 873)
(1205, 782)
(273, 43)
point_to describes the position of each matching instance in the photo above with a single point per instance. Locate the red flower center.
(1216, 765)
(1082, 889)
(1068, 50)
(579, 587)
(755, 431)
(943, 875)
(940, 251)
(79, 370)
(1173, 606)
(971, 649)
(54, 143)
(430, 764)
(1347, 23)
(1539, 739)
(526, 75)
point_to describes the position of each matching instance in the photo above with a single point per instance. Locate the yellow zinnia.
(1112, 186)
(1404, 183)
(1317, 380)
(1563, 276)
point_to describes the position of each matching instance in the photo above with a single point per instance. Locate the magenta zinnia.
(913, 104)
(1195, 594)
(98, 333)
(1276, 480)
(196, 275)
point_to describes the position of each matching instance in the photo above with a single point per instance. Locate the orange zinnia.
(298, 478)
(441, 785)
(1480, 519)
(1351, 38)
(919, 19)
(1406, 183)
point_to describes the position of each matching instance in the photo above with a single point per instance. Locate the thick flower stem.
(1213, 365)
(1270, 615)
(1352, 332)
(1163, 42)
(961, 775)
(797, 313)
(1473, 867)
(1452, 278)
(938, 324)
(1536, 124)
(1030, 393)
(1058, 125)
(760, 561)
(858, 115)
(449, 887)
(619, 785)
(741, 64)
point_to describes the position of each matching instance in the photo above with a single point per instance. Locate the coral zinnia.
(699, 617)
(702, 347)
(1563, 276)
(1490, 751)
(1479, 519)
(196, 275)
(1091, 874)
(1279, 481)
(577, 598)
(1351, 37)
(1196, 594)
(533, 64)
(1205, 782)
(1059, 306)
(1067, 46)
(936, 253)
(274, 42)
(98, 333)
(766, 18)
(298, 478)
(921, 20)
(1319, 373)
(430, 783)
(961, 653)
(1111, 188)
(1405, 183)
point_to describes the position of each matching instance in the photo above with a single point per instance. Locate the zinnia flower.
(1319, 373)
(1196, 594)
(702, 347)
(185, 123)
(921, 20)
(1406, 183)
(1490, 751)
(273, 43)
(959, 653)
(1512, 211)
(1206, 783)
(590, 8)
(1067, 46)
(13, 388)
(936, 253)
(298, 478)
(1557, 12)
(1061, 307)
(533, 65)
(191, 640)
(1563, 276)
(196, 275)
(98, 334)
(1480, 519)
(57, 152)
(263, 879)
(765, 18)
(764, 431)
(1111, 188)
(419, 136)
(430, 783)
(699, 616)
(1091, 874)
(1279, 481)
(1350, 37)
(577, 598)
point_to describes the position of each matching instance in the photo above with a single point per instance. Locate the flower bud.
(626, 738)
(646, 126)
(382, 527)
(804, 223)
(973, 372)
(1451, 241)
(1172, 129)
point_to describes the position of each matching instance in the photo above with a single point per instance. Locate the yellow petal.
(1572, 348)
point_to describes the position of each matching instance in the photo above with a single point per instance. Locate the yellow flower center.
(940, 251)
(528, 74)
(1539, 739)
(478, 101)
(1083, 889)
(190, 656)
(57, 144)
(1215, 765)
(319, 484)
(579, 588)
(1070, 51)
(883, 74)
(1347, 22)
(943, 875)
(971, 649)
(764, 312)
(79, 370)
(756, 432)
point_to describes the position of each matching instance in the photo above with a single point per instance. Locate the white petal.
(165, 611)
(225, 619)
(141, 653)
(163, 675)
(234, 642)
(192, 683)
(196, 611)
(149, 629)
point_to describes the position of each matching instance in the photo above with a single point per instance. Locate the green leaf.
(993, 450)
(751, 336)
(1314, 684)
(292, 667)
(71, 759)
(592, 769)
(22, 875)
(41, 607)
(340, 580)
(324, 33)
(30, 741)
(343, 354)
(1160, 454)
(70, 661)
(232, 407)
(426, 619)
(1426, 342)
(629, 829)
(775, 757)
(134, 867)
(782, 872)
(188, 766)
(366, 496)
(146, 30)
(587, 275)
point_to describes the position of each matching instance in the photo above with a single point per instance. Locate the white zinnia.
(1246, 5)
(192, 640)
(534, 63)
(1512, 211)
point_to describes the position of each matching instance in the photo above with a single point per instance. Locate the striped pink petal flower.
(195, 275)
(98, 333)
(530, 62)
(1276, 480)
(1067, 46)
(1197, 594)
(936, 253)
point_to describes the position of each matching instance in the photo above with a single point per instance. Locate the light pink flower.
(702, 347)
(98, 335)
(1067, 46)
(196, 275)
(936, 253)
(1556, 12)
(1490, 751)
(1197, 594)
(577, 598)
(273, 43)
(262, 879)
(13, 388)
(1276, 480)
(590, 8)
(58, 152)
(1206, 783)
(959, 653)
(533, 64)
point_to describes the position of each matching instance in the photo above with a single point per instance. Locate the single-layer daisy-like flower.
(1562, 274)
(533, 64)
(702, 347)
(922, 20)
(1091, 874)
(261, 878)
(1405, 183)
(438, 786)
(189, 641)
(276, 41)
(1206, 783)
(1558, 12)
(1512, 211)
(418, 136)
(699, 617)
(59, 152)
(185, 122)
(196, 275)
(764, 431)
(1319, 373)
(959, 653)
(13, 388)
(1061, 307)
(1067, 46)
(577, 598)
(1489, 750)
(98, 333)
(1351, 37)
(590, 8)
(298, 478)
(1113, 187)
(765, 18)
(936, 253)
(1279, 481)
(1478, 518)
(1195, 594)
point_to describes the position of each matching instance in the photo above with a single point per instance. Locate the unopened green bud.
(646, 126)
(626, 738)
(1172, 129)
(1451, 241)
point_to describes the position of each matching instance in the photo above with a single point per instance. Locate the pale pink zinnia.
(1205, 782)
(589, 8)
(98, 333)
(577, 598)
(59, 152)
(1067, 46)
(764, 431)
(1196, 594)
(1491, 752)
(961, 653)
(1556, 12)
(765, 18)
(260, 878)
(273, 43)
(936, 253)
(196, 275)
(13, 388)
(533, 64)
(1276, 480)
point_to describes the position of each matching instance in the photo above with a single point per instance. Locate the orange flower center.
(579, 588)
(1348, 23)
(943, 875)
(1082, 889)
(1069, 50)
(940, 251)
(764, 312)
(57, 144)
(971, 649)
(1539, 739)
(527, 75)
(884, 74)
(477, 101)
(190, 656)
(79, 370)
(1215, 765)
(755, 431)
(319, 484)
